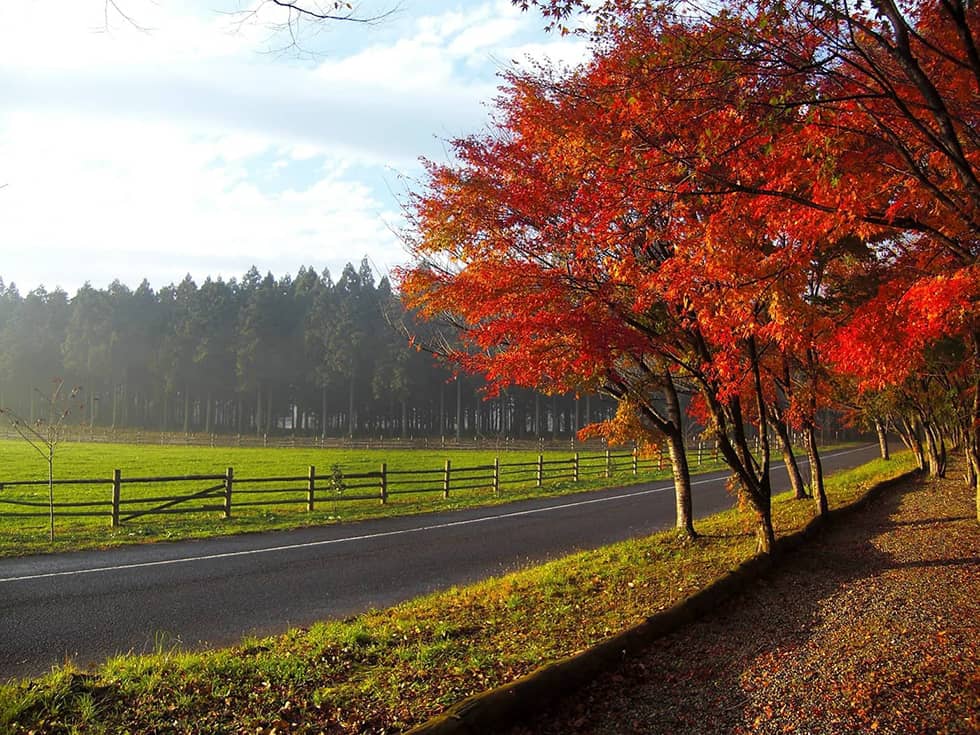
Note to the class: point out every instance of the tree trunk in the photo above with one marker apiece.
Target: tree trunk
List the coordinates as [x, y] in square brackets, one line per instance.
[765, 534]
[477, 417]
[684, 513]
[187, 411]
[258, 410]
[910, 435]
[207, 414]
[125, 403]
[537, 415]
[350, 408]
[976, 482]
[816, 471]
[973, 435]
[942, 454]
[459, 410]
[882, 439]
[971, 477]
[442, 409]
[934, 450]
[404, 419]
[753, 489]
[323, 412]
[554, 417]
[789, 459]
[939, 441]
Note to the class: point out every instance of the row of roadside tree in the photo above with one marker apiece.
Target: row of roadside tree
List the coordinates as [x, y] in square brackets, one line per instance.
[771, 206]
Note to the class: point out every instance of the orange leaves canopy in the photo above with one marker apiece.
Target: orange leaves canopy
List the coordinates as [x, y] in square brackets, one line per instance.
[689, 191]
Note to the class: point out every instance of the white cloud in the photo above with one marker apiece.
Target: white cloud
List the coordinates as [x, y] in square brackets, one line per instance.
[181, 150]
[106, 196]
[75, 36]
[477, 39]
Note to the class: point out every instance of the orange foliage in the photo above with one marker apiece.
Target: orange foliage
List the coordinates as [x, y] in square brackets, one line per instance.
[625, 428]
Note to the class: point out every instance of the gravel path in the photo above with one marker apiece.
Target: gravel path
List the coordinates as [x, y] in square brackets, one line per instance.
[872, 628]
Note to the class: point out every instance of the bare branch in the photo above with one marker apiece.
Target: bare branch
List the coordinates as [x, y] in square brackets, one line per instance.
[298, 18]
[111, 7]
[342, 11]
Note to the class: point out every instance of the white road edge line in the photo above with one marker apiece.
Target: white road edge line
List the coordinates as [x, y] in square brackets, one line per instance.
[364, 537]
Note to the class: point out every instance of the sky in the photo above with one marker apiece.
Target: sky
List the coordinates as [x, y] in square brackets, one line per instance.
[194, 139]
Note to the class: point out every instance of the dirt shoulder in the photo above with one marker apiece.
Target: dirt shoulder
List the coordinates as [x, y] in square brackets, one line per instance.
[872, 627]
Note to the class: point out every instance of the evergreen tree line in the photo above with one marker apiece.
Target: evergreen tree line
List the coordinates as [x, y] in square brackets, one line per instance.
[304, 355]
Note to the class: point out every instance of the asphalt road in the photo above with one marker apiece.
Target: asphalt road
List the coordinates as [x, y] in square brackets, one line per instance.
[91, 605]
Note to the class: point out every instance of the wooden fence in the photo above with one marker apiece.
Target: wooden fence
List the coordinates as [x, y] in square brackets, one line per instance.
[129, 498]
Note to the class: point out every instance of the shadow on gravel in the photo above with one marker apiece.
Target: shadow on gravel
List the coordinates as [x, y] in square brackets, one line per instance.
[927, 521]
[702, 678]
[966, 561]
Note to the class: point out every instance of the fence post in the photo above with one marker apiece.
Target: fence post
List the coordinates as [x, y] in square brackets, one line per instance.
[540, 469]
[445, 481]
[496, 475]
[660, 458]
[636, 461]
[608, 462]
[384, 483]
[229, 480]
[575, 467]
[311, 490]
[116, 486]
[700, 450]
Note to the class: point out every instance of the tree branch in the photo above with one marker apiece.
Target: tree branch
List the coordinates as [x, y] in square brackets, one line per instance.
[318, 14]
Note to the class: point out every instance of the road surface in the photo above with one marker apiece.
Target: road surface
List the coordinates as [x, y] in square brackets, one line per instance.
[210, 592]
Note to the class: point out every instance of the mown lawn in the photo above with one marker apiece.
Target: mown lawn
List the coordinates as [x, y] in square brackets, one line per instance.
[21, 535]
[385, 670]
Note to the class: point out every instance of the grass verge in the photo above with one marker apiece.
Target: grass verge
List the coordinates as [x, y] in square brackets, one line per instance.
[386, 670]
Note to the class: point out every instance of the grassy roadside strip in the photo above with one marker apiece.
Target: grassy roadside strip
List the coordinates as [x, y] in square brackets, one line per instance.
[387, 670]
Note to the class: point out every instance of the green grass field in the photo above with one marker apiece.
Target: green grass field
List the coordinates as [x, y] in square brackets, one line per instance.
[287, 508]
[386, 670]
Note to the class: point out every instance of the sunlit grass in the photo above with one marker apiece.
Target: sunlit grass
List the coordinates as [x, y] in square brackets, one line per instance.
[18, 461]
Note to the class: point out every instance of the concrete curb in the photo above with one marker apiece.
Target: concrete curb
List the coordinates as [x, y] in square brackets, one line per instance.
[500, 708]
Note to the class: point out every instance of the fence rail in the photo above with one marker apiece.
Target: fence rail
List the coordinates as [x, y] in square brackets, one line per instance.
[127, 499]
